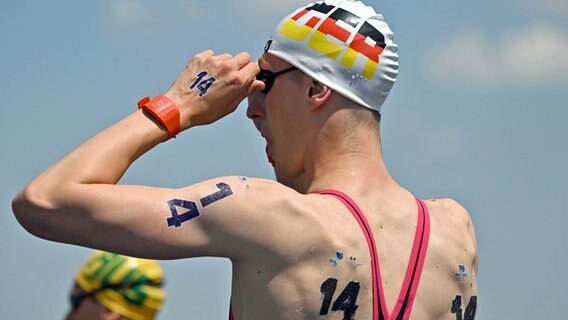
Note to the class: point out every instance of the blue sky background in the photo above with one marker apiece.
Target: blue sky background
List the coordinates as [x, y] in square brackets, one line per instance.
[478, 114]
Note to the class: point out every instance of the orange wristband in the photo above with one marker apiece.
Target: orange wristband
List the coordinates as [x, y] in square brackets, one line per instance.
[163, 110]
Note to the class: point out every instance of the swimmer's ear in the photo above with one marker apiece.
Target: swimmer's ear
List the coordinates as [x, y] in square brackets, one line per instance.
[318, 94]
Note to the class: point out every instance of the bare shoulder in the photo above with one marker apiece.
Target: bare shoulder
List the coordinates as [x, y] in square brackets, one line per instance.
[252, 212]
[450, 210]
[248, 198]
[453, 230]
[451, 214]
[452, 261]
[253, 196]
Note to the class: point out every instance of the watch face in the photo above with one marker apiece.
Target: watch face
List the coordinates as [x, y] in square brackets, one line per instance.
[164, 111]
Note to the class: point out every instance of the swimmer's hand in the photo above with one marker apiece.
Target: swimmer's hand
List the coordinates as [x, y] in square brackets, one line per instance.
[212, 86]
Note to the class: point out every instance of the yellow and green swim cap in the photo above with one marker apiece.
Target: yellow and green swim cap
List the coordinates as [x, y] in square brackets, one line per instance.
[126, 285]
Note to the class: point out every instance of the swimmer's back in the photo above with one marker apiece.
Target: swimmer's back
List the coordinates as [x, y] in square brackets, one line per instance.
[310, 255]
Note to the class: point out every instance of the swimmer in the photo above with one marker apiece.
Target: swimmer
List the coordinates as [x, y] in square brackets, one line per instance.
[334, 237]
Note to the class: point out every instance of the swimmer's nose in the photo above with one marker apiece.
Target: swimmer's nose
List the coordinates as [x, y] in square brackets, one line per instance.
[255, 111]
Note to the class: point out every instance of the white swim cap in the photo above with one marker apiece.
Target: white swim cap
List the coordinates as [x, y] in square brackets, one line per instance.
[344, 44]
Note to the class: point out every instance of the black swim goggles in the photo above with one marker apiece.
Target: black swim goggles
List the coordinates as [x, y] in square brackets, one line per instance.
[268, 77]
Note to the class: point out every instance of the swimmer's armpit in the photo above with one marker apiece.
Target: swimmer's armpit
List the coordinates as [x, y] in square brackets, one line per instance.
[189, 208]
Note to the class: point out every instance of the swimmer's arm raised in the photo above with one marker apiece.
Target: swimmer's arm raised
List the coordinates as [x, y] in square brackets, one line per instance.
[77, 200]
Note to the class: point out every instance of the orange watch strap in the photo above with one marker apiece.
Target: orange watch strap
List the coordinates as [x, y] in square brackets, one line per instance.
[163, 110]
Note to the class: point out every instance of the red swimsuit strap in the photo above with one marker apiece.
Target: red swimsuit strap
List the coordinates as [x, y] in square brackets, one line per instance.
[407, 293]
[357, 214]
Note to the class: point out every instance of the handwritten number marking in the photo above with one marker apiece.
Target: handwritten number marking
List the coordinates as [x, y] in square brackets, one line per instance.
[192, 212]
[177, 219]
[198, 79]
[202, 84]
[469, 310]
[346, 301]
[327, 289]
[224, 191]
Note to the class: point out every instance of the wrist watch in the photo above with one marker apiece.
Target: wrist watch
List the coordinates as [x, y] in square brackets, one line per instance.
[163, 110]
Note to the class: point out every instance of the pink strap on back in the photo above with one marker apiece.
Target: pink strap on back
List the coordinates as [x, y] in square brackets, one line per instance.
[409, 287]
[355, 210]
[415, 265]
[407, 293]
